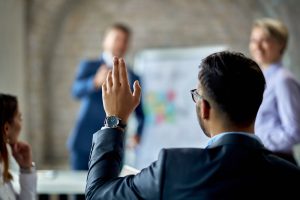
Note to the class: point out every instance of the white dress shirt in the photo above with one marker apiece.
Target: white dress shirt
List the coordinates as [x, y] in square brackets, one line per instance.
[27, 181]
[278, 119]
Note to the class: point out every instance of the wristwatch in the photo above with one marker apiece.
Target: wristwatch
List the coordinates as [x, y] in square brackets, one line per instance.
[29, 170]
[114, 122]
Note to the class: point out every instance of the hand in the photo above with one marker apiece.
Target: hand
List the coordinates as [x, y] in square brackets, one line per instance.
[118, 100]
[22, 153]
[100, 76]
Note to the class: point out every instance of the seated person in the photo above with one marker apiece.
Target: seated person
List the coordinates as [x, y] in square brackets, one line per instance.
[278, 119]
[234, 165]
[10, 125]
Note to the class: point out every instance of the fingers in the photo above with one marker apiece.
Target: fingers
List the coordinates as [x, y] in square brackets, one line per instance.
[19, 146]
[21, 149]
[14, 149]
[115, 72]
[109, 81]
[104, 87]
[123, 73]
[137, 90]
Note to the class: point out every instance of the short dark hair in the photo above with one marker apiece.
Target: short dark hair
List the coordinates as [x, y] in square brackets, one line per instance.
[234, 83]
[121, 27]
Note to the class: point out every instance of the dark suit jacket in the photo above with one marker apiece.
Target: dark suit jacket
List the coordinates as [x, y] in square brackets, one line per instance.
[91, 114]
[234, 167]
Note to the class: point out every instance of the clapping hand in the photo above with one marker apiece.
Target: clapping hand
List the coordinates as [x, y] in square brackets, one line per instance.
[118, 99]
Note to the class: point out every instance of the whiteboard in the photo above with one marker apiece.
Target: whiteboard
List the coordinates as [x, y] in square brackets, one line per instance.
[167, 76]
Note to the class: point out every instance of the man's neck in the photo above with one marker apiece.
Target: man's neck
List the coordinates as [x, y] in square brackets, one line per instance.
[245, 129]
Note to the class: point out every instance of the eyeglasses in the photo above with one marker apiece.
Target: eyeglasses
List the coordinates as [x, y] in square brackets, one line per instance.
[196, 96]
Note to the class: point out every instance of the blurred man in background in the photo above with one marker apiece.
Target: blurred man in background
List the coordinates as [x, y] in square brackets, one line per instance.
[278, 119]
[87, 87]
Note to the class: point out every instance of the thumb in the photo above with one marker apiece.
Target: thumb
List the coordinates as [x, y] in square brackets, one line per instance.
[137, 90]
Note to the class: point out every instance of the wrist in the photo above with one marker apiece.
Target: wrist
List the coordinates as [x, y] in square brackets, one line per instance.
[114, 121]
[119, 116]
[27, 169]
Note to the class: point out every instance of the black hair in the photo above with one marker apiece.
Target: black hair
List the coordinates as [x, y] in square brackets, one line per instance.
[234, 83]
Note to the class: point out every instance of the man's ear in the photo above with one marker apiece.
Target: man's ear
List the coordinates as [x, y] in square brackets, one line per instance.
[205, 109]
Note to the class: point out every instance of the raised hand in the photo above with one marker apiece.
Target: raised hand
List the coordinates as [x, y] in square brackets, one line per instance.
[22, 153]
[118, 99]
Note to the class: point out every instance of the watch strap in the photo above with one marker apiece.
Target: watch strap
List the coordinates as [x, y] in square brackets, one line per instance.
[120, 123]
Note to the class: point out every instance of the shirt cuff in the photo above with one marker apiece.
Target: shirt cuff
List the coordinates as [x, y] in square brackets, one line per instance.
[28, 183]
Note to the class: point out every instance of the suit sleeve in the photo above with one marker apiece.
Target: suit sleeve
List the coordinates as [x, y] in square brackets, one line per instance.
[105, 165]
[84, 81]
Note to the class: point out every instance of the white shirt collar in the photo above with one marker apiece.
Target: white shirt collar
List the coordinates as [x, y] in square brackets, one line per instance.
[108, 58]
[219, 136]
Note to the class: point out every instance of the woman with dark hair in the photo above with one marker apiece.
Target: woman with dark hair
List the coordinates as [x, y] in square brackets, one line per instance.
[10, 127]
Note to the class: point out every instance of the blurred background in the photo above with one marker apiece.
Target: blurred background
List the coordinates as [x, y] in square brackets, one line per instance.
[42, 42]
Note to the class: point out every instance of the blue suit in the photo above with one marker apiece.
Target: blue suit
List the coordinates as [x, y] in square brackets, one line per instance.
[91, 115]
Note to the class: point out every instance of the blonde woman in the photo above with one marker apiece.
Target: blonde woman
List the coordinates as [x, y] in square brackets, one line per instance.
[278, 120]
[10, 127]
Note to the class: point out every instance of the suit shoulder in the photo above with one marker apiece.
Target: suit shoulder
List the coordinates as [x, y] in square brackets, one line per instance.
[182, 150]
[187, 153]
[283, 164]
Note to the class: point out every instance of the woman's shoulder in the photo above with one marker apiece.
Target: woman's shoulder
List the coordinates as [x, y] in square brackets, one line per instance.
[285, 76]
[286, 82]
[6, 188]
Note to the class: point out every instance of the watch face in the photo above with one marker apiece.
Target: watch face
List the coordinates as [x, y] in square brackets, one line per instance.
[112, 121]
